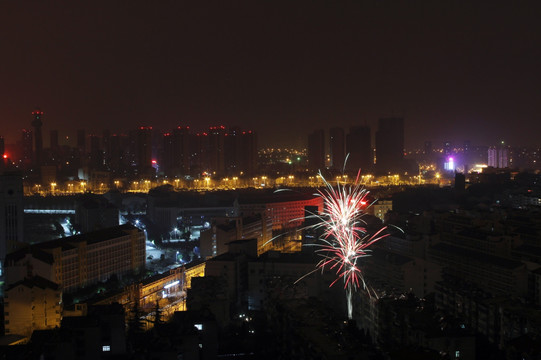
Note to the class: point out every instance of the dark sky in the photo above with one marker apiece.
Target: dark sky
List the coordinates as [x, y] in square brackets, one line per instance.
[455, 70]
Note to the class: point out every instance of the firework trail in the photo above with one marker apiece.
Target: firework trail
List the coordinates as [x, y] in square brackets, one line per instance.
[345, 240]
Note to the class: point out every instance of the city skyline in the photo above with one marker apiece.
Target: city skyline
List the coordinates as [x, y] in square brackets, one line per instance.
[454, 71]
[72, 137]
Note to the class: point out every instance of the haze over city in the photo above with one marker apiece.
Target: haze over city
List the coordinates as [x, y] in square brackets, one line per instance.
[270, 180]
[454, 71]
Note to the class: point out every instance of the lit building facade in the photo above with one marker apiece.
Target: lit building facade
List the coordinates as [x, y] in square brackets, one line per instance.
[380, 208]
[498, 156]
[285, 213]
[214, 241]
[81, 260]
[32, 304]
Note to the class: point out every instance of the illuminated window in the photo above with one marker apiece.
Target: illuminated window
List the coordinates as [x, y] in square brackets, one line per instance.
[106, 348]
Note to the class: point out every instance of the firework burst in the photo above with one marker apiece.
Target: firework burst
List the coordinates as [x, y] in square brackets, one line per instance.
[345, 238]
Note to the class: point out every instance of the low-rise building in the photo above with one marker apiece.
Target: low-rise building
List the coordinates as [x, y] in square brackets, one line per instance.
[81, 260]
[32, 304]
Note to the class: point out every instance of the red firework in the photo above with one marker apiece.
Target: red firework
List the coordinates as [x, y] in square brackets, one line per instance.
[345, 239]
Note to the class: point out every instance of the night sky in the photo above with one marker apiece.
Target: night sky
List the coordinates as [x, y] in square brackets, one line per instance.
[455, 70]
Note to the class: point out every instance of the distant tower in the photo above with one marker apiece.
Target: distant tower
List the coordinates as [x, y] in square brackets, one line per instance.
[96, 154]
[38, 140]
[498, 156]
[428, 148]
[492, 157]
[144, 150]
[390, 145]
[503, 157]
[106, 147]
[337, 147]
[359, 148]
[248, 152]
[447, 147]
[26, 145]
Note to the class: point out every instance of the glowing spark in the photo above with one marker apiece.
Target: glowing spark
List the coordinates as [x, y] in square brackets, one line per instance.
[345, 240]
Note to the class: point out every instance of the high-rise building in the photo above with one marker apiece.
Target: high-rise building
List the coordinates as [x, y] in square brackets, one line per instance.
[428, 148]
[390, 145]
[248, 152]
[337, 147]
[316, 150]
[240, 149]
[176, 152]
[144, 150]
[359, 149]
[119, 151]
[168, 157]
[498, 156]
[232, 150]
[215, 158]
[81, 141]
[96, 155]
[26, 147]
[38, 140]
[11, 214]
[106, 147]
[447, 147]
[197, 151]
